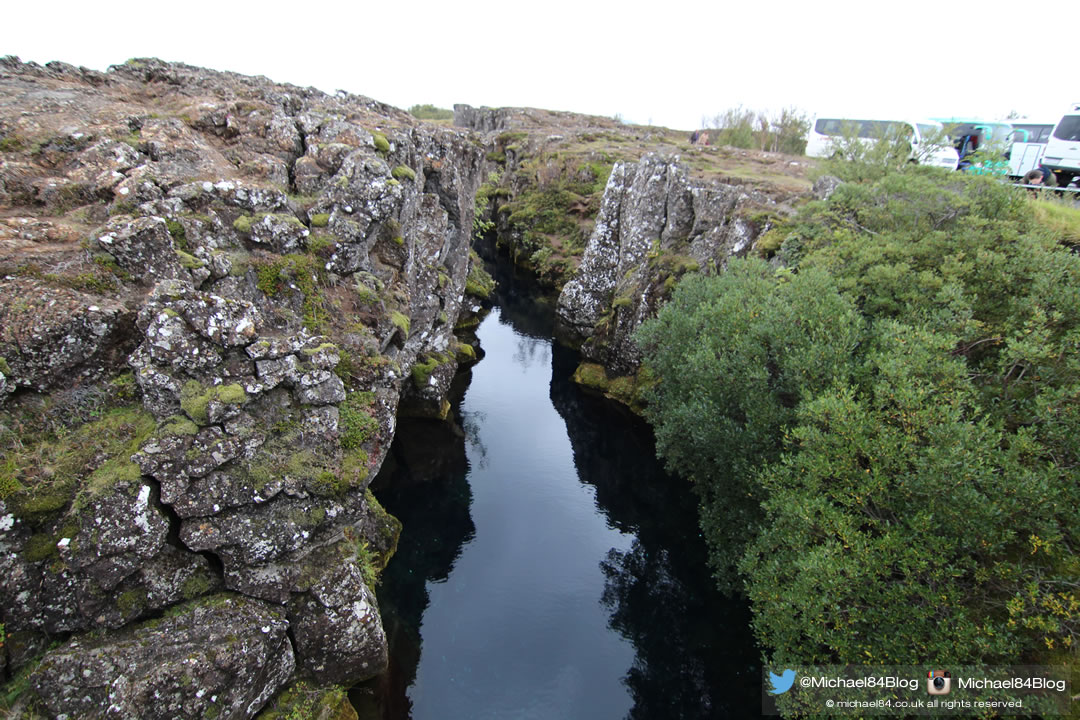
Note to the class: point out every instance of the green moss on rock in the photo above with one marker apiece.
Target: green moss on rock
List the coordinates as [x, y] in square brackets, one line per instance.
[357, 423]
[479, 282]
[188, 260]
[198, 584]
[179, 234]
[382, 145]
[41, 546]
[422, 370]
[195, 399]
[305, 701]
[403, 172]
[400, 321]
[131, 602]
[178, 425]
[243, 224]
[627, 389]
[465, 352]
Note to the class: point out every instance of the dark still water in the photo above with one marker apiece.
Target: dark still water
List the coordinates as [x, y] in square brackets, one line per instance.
[548, 567]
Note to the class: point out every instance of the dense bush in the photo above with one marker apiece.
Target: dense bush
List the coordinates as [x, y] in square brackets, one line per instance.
[736, 353]
[888, 437]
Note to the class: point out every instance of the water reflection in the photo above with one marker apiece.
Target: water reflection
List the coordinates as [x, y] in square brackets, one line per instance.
[695, 653]
[510, 599]
[423, 483]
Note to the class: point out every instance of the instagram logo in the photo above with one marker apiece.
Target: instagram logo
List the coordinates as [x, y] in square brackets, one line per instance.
[938, 682]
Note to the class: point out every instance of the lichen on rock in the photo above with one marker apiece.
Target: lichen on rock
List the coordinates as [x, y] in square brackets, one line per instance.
[269, 362]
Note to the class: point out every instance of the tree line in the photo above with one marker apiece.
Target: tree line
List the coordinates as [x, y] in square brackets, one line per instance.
[741, 127]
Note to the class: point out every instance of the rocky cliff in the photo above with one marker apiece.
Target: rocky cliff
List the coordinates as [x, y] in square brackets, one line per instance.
[611, 216]
[655, 224]
[216, 295]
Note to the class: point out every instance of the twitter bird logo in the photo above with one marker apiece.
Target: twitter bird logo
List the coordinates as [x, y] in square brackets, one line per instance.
[781, 683]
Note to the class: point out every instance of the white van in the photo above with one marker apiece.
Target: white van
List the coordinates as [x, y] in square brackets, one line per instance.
[1029, 142]
[1062, 153]
[826, 132]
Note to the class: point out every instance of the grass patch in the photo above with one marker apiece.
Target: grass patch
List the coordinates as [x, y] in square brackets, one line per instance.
[1062, 219]
[41, 479]
[11, 143]
[302, 701]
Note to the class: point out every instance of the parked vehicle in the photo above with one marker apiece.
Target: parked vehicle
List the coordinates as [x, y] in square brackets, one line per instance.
[1062, 153]
[991, 139]
[1029, 142]
[826, 133]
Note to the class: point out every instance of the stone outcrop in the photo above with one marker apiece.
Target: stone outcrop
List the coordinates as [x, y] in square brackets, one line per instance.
[222, 657]
[280, 271]
[654, 224]
[485, 119]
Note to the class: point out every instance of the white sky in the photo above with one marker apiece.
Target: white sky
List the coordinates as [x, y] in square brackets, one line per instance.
[670, 63]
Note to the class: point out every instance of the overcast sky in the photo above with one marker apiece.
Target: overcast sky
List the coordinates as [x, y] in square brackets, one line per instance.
[669, 63]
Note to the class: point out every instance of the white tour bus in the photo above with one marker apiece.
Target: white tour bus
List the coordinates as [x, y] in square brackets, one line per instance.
[1029, 142]
[825, 133]
[1062, 153]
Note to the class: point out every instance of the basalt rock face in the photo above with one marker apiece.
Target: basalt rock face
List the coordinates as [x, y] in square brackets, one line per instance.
[485, 119]
[654, 225]
[230, 655]
[215, 293]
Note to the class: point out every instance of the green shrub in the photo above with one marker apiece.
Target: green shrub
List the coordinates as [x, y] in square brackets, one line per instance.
[320, 220]
[890, 431]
